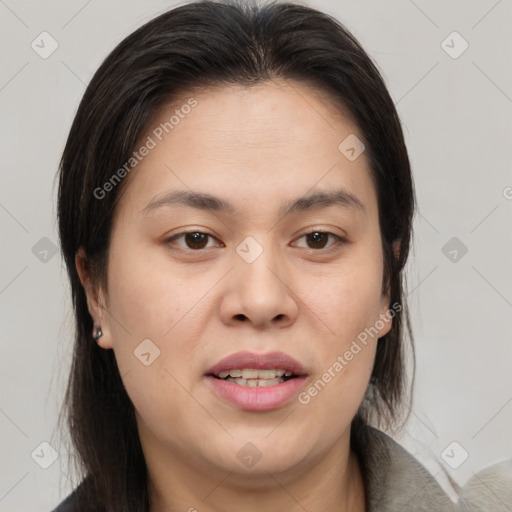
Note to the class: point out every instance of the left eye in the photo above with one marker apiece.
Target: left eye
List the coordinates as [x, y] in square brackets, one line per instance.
[318, 239]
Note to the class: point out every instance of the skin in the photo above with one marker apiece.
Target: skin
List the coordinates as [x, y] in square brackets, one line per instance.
[256, 147]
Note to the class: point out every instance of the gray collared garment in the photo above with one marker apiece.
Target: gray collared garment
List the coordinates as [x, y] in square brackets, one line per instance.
[396, 482]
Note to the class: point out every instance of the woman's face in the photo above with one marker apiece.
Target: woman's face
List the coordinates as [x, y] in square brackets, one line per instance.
[284, 273]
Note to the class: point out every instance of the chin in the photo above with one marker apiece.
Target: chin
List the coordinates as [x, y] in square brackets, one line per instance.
[257, 456]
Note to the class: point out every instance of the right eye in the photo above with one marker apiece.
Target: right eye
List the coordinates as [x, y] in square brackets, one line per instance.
[194, 240]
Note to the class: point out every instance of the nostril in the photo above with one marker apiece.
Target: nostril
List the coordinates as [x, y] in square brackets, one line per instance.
[240, 317]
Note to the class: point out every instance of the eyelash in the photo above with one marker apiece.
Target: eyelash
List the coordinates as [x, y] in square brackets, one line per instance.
[339, 239]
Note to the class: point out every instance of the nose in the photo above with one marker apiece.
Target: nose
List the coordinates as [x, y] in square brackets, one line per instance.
[259, 293]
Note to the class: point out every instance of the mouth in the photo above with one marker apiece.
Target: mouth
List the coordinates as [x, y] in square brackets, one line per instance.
[254, 378]
[257, 382]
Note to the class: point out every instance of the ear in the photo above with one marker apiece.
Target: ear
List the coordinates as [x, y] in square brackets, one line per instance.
[396, 248]
[385, 318]
[96, 303]
[386, 313]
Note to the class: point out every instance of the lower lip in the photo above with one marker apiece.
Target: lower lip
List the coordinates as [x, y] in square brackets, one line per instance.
[260, 398]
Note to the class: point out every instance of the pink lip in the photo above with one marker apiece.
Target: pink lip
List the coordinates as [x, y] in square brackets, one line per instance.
[251, 360]
[259, 398]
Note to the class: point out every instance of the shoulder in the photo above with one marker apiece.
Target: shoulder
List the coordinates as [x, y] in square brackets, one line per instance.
[489, 489]
[394, 479]
[79, 500]
[69, 504]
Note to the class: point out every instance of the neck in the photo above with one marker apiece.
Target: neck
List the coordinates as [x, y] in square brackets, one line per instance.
[333, 483]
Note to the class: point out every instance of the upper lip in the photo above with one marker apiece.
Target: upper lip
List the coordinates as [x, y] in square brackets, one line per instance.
[254, 361]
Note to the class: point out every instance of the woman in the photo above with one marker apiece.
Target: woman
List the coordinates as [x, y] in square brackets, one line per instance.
[235, 209]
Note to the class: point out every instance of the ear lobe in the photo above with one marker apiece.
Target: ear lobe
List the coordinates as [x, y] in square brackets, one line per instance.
[384, 317]
[94, 304]
[386, 321]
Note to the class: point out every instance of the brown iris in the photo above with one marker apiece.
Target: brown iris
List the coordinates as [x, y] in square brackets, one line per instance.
[196, 240]
[318, 240]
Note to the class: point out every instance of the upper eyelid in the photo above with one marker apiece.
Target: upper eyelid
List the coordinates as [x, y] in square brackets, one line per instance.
[320, 231]
[183, 233]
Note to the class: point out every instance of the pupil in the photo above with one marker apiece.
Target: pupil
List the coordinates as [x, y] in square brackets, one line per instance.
[317, 238]
[195, 240]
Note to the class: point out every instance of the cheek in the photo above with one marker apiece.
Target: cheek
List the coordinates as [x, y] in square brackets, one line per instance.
[149, 296]
[152, 301]
[337, 390]
[350, 300]
[349, 306]
[164, 408]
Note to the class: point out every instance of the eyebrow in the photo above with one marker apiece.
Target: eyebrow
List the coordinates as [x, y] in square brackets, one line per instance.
[204, 201]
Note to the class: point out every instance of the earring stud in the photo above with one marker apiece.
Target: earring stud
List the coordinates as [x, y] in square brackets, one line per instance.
[98, 333]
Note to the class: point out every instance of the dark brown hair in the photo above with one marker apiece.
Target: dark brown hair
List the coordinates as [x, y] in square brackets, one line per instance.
[203, 44]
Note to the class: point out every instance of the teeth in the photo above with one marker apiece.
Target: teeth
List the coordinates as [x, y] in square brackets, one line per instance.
[254, 383]
[270, 382]
[248, 373]
[242, 382]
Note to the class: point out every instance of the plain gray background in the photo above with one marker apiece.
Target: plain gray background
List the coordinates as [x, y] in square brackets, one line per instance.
[457, 123]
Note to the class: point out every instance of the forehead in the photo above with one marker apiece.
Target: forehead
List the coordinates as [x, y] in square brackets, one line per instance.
[274, 140]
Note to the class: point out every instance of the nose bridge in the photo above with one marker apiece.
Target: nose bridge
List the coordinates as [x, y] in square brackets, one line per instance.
[260, 285]
[256, 264]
